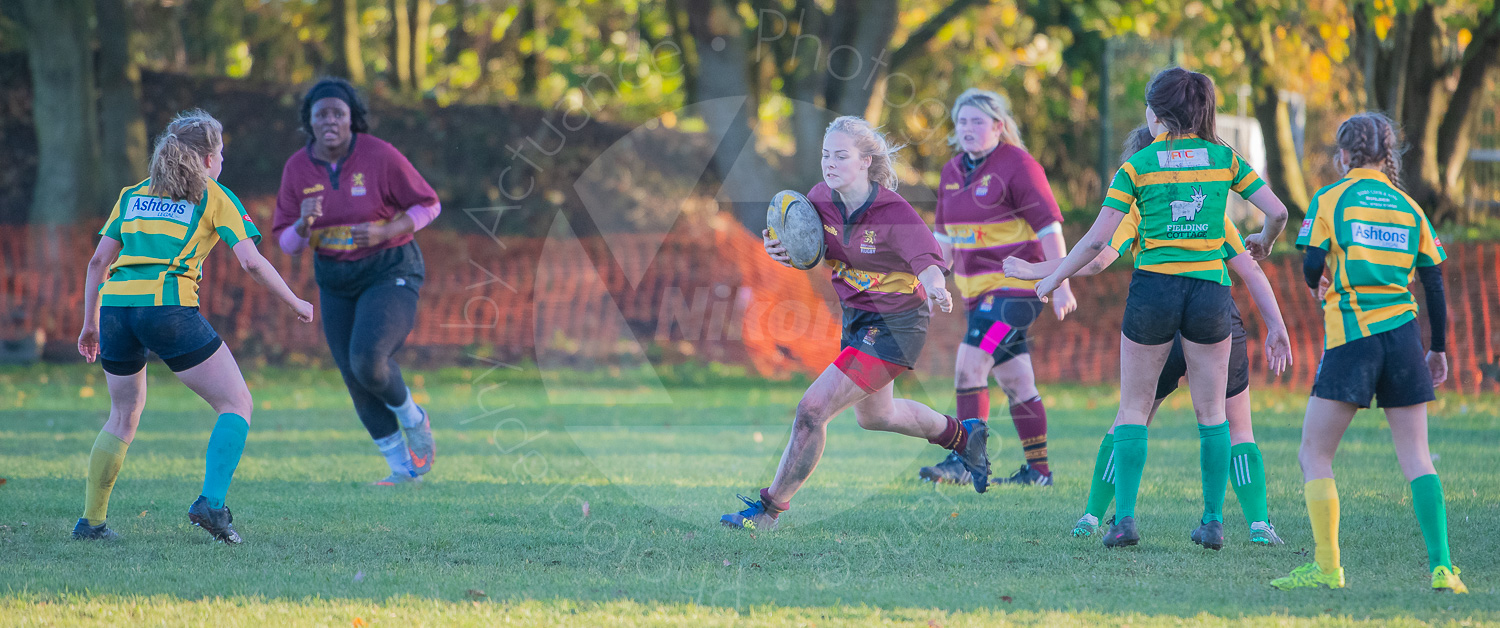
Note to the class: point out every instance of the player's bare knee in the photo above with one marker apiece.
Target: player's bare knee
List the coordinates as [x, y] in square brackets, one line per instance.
[811, 413]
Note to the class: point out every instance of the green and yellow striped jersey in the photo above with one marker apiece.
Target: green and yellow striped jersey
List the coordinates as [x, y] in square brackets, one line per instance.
[1375, 236]
[165, 242]
[1181, 187]
[1127, 235]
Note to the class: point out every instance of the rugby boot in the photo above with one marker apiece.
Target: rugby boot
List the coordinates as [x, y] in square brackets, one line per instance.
[753, 517]
[950, 470]
[217, 521]
[85, 532]
[1210, 535]
[1122, 533]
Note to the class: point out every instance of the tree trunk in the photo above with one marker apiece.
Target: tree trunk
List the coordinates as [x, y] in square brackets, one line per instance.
[1453, 133]
[1421, 107]
[421, 20]
[526, 21]
[1284, 170]
[400, 45]
[859, 60]
[459, 37]
[60, 52]
[726, 108]
[348, 61]
[122, 129]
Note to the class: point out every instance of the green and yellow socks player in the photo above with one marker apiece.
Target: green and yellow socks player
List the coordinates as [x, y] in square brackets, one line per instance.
[1372, 344]
[1246, 473]
[226, 444]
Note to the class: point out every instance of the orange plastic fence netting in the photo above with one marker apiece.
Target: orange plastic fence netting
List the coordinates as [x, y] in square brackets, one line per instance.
[698, 292]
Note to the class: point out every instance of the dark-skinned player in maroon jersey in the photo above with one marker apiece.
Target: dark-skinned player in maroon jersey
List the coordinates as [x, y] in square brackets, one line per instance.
[886, 269]
[994, 202]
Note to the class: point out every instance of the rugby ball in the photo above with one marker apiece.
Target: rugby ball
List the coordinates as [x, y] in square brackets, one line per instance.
[792, 219]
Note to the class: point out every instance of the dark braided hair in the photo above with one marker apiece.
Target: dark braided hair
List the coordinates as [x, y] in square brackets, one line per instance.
[334, 87]
[1370, 140]
[1139, 138]
[1185, 102]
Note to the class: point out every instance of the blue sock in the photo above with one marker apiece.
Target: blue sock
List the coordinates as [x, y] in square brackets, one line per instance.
[225, 445]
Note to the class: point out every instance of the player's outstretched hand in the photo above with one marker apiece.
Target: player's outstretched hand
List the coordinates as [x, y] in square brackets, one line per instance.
[1046, 286]
[1278, 350]
[88, 343]
[303, 309]
[1017, 268]
[1065, 302]
[1437, 364]
[774, 249]
[1259, 245]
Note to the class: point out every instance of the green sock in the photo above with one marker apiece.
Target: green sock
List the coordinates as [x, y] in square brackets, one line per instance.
[1249, 480]
[1213, 460]
[1102, 490]
[1130, 463]
[1432, 516]
[225, 445]
[105, 461]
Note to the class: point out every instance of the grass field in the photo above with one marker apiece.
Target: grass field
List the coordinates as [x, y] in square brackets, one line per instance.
[581, 506]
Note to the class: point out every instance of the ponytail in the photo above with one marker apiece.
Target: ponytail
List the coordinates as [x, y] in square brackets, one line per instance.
[872, 144]
[1371, 141]
[177, 170]
[1186, 103]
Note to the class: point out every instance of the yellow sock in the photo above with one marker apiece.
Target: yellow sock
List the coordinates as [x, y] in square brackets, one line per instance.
[104, 466]
[1323, 510]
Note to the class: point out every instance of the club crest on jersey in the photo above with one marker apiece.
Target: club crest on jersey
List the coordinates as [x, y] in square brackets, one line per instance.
[1182, 158]
[870, 335]
[159, 208]
[867, 243]
[988, 304]
[984, 186]
[358, 188]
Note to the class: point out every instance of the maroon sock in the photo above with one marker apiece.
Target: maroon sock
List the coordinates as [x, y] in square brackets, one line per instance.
[1030, 418]
[974, 403]
[773, 508]
[953, 436]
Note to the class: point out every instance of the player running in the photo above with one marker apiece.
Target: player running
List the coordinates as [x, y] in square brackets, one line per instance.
[1370, 236]
[1180, 184]
[995, 203]
[886, 268]
[356, 201]
[1246, 470]
[149, 262]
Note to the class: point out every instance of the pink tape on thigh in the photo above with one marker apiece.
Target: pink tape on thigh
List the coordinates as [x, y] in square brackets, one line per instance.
[994, 337]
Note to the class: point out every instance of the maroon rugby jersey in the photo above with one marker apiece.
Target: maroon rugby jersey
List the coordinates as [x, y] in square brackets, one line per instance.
[993, 213]
[878, 252]
[373, 183]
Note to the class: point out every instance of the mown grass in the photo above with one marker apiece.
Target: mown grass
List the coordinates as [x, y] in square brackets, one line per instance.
[499, 532]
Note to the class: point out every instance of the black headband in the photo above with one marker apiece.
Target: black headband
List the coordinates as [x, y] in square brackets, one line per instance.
[331, 90]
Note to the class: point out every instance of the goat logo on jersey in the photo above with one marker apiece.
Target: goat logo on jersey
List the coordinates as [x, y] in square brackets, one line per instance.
[1188, 210]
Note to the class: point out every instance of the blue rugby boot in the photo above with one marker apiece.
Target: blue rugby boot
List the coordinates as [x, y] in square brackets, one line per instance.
[974, 455]
[756, 516]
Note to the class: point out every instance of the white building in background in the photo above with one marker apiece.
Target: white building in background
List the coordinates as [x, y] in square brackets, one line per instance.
[1243, 134]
